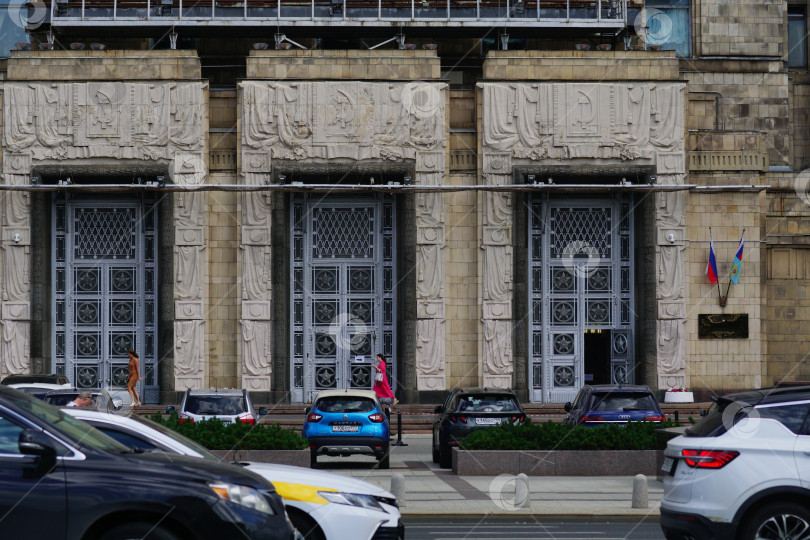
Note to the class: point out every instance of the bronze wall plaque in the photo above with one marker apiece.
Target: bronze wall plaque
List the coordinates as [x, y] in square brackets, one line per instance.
[723, 326]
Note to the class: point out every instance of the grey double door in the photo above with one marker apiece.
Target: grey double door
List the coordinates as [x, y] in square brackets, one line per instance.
[342, 301]
[104, 291]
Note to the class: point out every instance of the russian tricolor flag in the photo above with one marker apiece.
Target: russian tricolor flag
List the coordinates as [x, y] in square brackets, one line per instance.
[711, 268]
[736, 266]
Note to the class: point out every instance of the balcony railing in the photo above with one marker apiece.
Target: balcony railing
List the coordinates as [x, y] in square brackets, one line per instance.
[450, 13]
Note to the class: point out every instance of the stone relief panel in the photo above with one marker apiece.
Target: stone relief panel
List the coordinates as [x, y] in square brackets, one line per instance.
[256, 354]
[147, 121]
[584, 120]
[16, 347]
[380, 122]
[529, 124]
[346, 119]
[188, 354]
[497, 360]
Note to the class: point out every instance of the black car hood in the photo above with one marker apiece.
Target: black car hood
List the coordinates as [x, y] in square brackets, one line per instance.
[156, 463]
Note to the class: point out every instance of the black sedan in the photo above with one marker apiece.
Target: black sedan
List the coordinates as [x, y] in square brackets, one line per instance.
[63, 479]
[468, 409]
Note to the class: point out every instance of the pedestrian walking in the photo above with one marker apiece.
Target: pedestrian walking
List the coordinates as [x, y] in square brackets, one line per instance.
[133, 377]
[381, 387]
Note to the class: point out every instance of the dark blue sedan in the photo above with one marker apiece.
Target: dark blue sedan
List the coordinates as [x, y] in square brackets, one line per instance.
[613, 404]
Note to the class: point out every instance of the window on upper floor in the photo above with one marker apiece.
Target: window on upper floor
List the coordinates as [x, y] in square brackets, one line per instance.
[669, 25]
[12, 23]
[797, 36]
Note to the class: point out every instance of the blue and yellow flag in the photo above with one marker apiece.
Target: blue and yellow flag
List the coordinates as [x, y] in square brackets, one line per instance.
[736, 266]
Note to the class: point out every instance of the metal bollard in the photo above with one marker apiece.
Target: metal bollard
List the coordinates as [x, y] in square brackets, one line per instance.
[640, 491]
[399, 431]
[522, 492]
[398, 488]
[677, 418]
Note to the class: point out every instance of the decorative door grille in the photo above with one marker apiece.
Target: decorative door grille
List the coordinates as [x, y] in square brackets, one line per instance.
[581, 279]
[105, 284]
[342, 301]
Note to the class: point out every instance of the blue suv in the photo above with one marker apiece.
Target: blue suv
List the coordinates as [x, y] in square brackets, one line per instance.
[346, 422]
[613, 404]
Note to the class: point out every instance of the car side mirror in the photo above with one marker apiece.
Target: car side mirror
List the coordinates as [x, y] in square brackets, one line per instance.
[170, 409]
[567, 407]
[306, 411]
[34, 443]
[439, 409]
[263, 411]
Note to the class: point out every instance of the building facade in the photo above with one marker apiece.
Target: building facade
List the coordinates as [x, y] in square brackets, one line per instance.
[527, 207]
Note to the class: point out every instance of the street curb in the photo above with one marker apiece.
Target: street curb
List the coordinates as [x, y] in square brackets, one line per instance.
[631, 512]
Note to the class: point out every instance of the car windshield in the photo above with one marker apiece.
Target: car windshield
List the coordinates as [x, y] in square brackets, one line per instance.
[182, 439]
[81, 433]
[624, 401]
[345, 404]
[215, 405]
[487, 403]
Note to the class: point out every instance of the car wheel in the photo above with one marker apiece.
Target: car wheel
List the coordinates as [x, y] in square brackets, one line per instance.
[313, 458]
[132, 531]
[778, 520]
[305, 524]
[445, 457]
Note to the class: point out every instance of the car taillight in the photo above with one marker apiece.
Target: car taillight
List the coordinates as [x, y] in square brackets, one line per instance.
[458, 418]
[708, 459]
[520, 418]
[248, 421]
[655, 419]
[376, 417]
[592, 419]
[186, 420]
[314, 417]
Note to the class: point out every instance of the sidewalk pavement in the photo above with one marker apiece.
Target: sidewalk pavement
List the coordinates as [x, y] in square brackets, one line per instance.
[431, 491]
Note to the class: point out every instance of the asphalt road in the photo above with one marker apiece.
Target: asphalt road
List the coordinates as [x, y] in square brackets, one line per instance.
[483, 528]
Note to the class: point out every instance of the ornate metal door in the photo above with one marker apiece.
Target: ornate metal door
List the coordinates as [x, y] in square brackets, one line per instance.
[104, 291]
[342, 303]
[581, 276]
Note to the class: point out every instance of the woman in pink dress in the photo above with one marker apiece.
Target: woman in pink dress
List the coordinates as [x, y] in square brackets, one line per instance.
[381, 387]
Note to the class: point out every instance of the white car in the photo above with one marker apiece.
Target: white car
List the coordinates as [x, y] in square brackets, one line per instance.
[227, 405]
[321, 505]
[743, 471]
[37, 389]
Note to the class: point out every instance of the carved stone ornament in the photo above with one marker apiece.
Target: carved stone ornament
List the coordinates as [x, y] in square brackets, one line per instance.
[19, 164]
[188, 310]
[497, 310]
[347, 119]
[188, 169]
[188, 350]
[16, 346]
[256, 347]
[670, 272]
[16, 283]
[430, 349]
[430, 162]
[430, 309]
[16, 311]
[258, 311]
[188, 283]
[497, 347]
[623, 121]
[671, 346]
[145, 121]
[671, 208]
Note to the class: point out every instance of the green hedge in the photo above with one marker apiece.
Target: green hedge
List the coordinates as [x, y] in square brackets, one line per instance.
[215, 435]
[554, 436]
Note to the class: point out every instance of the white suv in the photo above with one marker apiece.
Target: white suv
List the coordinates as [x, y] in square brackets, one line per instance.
[743, 471]
[226, 405]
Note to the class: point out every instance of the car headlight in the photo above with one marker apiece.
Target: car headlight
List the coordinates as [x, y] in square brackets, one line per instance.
[352, 499]
[242, 495]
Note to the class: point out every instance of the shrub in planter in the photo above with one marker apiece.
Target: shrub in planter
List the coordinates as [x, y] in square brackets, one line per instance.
[215, 435]
[554, 436]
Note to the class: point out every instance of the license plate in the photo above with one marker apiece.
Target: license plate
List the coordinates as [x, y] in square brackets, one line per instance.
[344, 429]
[667, 466]
[487, 421]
